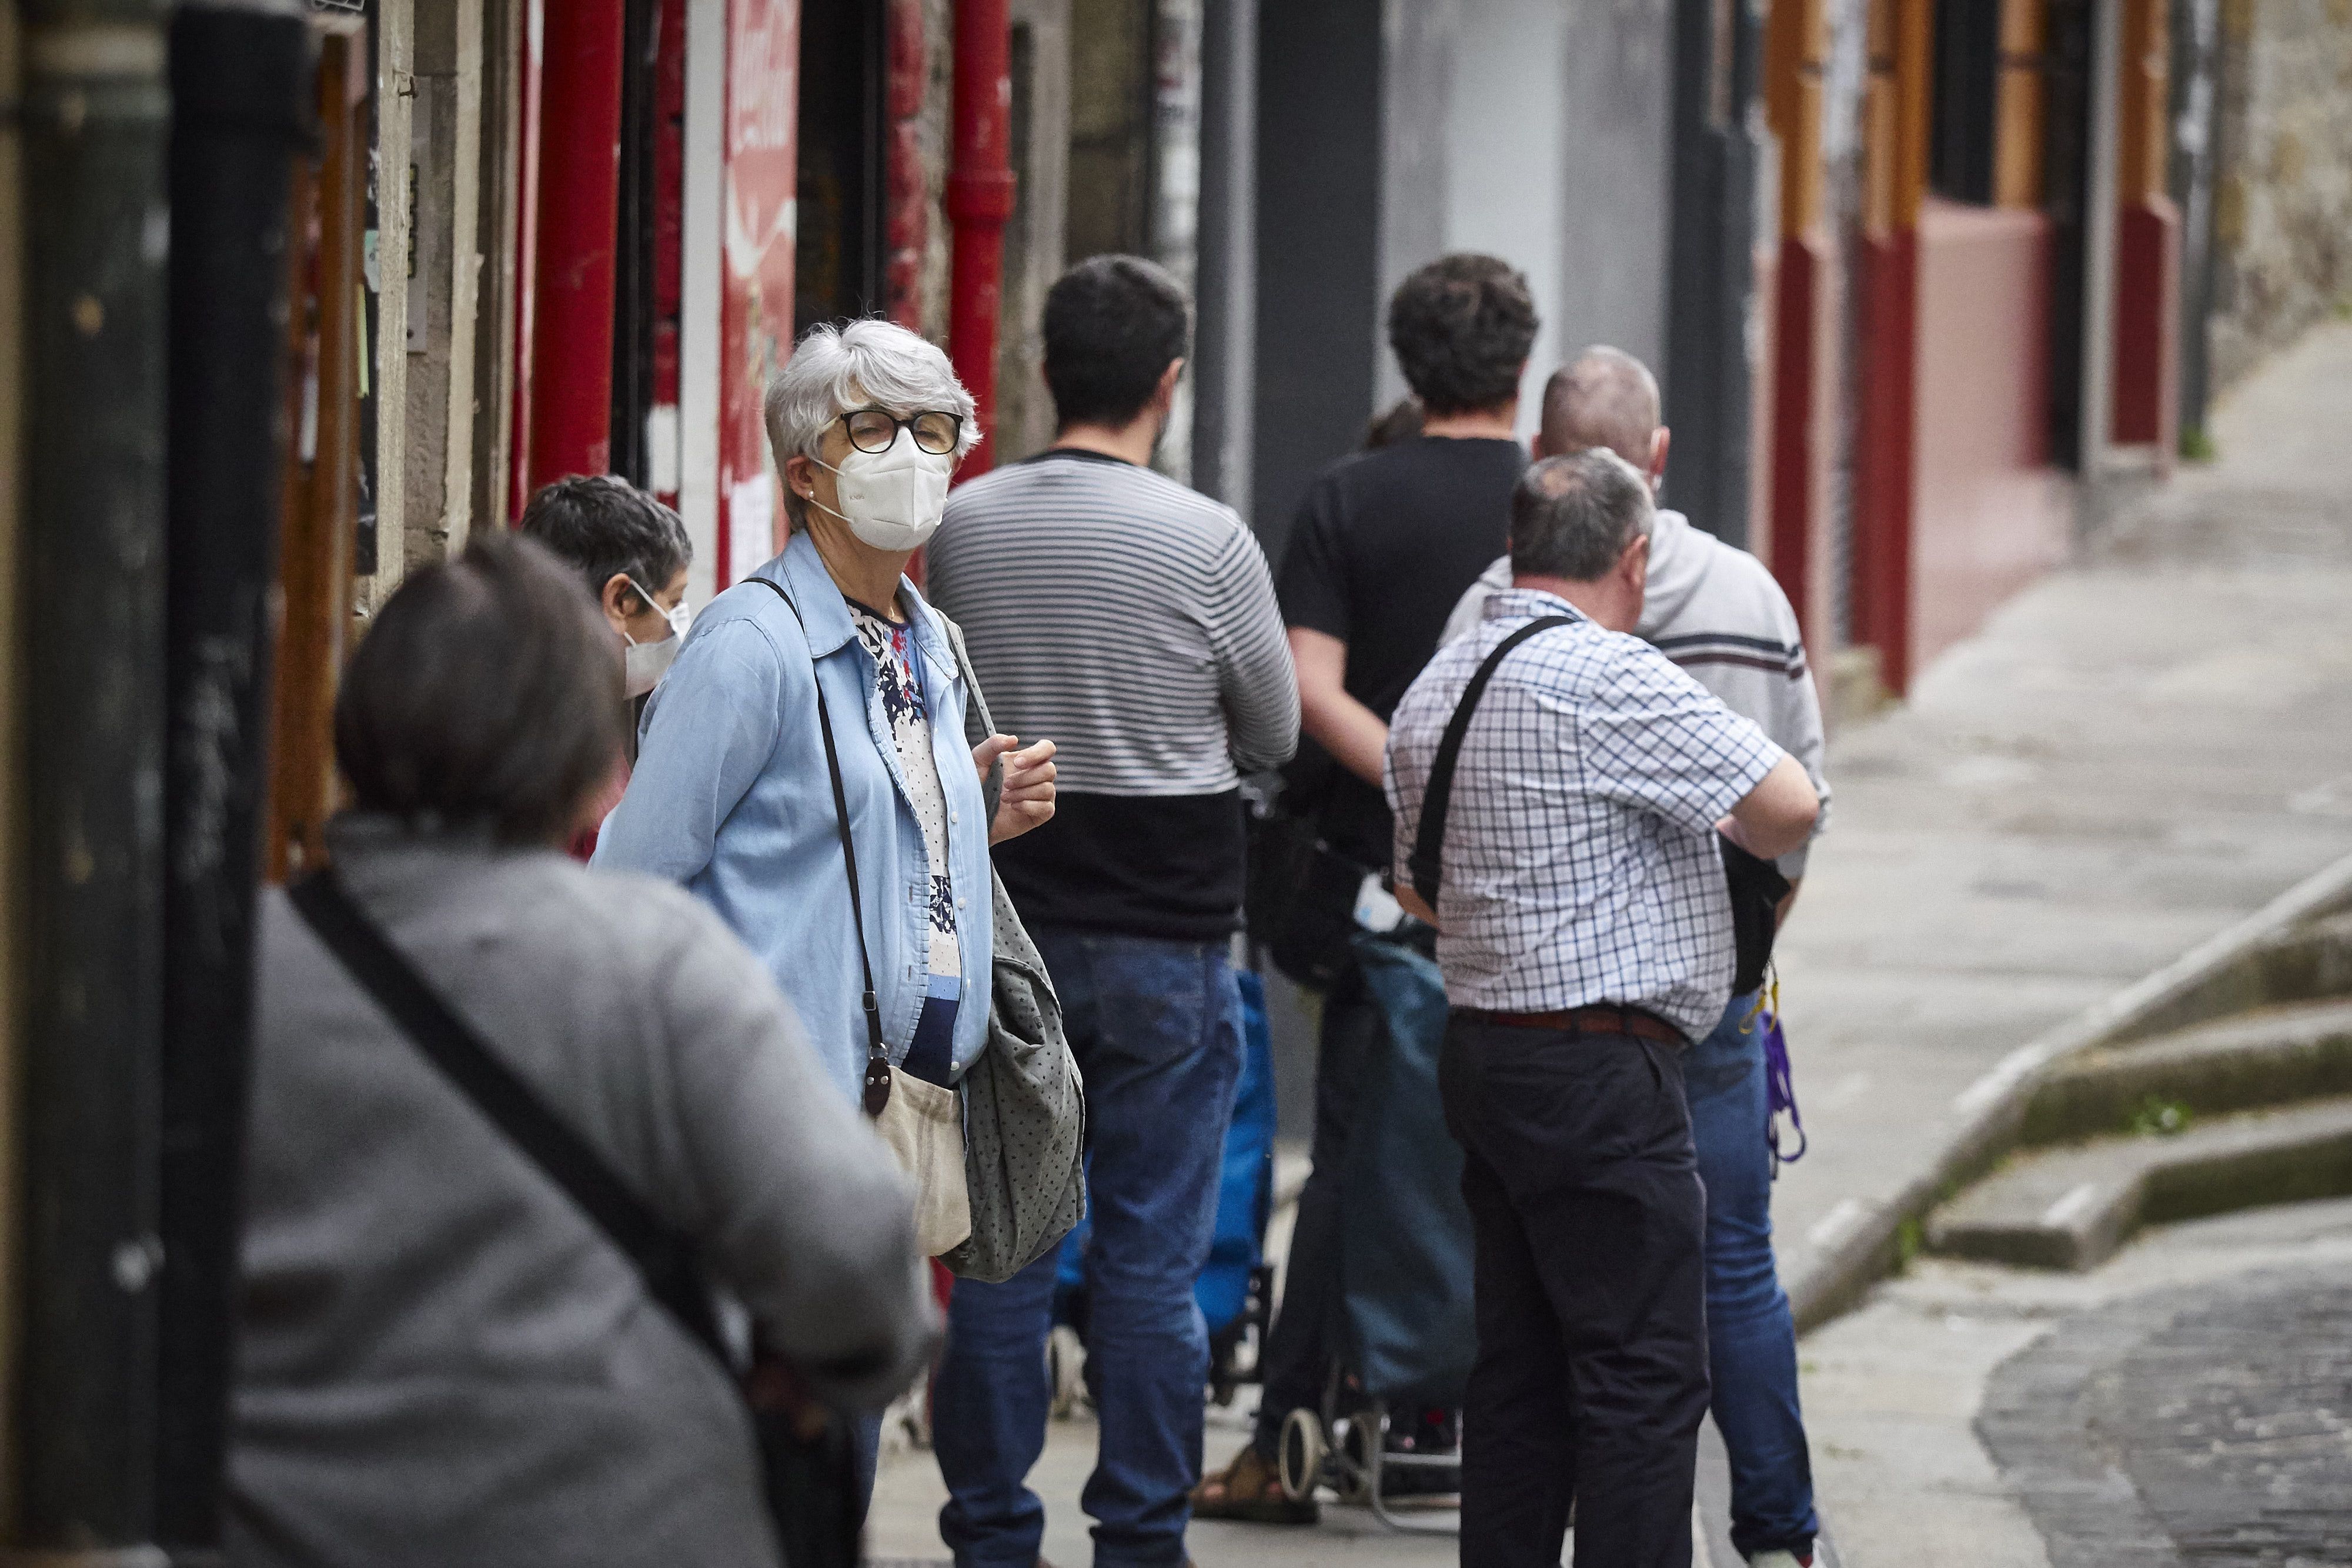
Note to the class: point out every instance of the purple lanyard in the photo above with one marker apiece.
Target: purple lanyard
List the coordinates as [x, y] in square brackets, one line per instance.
[1780, 1085]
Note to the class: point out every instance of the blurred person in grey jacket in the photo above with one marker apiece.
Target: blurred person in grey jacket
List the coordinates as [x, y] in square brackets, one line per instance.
[1717, 611]
[443, 1360]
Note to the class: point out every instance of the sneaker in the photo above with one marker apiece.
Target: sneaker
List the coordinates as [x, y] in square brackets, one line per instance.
[1781, 1560]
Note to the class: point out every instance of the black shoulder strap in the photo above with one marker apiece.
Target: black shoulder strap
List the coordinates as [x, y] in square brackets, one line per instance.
[1429, 840]
[878, 1055]
[664, 1257]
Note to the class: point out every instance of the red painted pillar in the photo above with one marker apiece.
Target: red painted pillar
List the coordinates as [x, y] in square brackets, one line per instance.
[579, 209]
[1885, 451]
[980, 200]
[2147, 328]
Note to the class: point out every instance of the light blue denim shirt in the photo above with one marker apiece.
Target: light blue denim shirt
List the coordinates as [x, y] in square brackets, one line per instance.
[730, 797]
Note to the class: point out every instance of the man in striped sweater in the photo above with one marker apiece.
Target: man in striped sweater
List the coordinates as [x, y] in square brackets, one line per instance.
[1134, 620]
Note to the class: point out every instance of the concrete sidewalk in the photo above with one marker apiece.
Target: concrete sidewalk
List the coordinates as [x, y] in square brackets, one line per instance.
[2137, 752]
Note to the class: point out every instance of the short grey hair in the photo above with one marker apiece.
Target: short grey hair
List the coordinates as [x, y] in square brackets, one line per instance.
[1603, 397]
[1572, 516]
[869, 363]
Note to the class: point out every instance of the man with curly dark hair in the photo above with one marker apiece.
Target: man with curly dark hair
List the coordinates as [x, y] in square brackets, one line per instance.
[1461, 328]
[1385, 542]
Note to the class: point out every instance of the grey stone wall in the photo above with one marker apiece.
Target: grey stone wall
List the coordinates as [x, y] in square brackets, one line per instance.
[2282, 212]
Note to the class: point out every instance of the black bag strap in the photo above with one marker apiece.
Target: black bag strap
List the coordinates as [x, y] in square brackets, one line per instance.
[878, 1055]
[1429, 842]
[664, 1257]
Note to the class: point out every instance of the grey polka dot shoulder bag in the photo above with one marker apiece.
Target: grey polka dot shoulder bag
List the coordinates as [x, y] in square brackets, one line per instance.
[1024, 1115]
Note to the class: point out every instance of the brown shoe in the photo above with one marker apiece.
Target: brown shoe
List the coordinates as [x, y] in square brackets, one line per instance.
[1249, 1491]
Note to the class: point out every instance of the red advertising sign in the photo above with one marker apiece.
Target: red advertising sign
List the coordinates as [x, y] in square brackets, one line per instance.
[755, 318]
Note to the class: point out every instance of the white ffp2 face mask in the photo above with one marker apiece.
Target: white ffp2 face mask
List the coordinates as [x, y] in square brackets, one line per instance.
[893, 499]
[642, 664]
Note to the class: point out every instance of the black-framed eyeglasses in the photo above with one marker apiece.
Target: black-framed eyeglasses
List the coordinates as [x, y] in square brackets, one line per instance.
[876, 429]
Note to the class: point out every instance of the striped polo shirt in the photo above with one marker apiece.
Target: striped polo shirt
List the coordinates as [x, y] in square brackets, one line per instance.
[1132, 621]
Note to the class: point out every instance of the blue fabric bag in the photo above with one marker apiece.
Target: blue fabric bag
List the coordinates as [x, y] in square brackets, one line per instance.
[1245, 1197]
[1405, 1244]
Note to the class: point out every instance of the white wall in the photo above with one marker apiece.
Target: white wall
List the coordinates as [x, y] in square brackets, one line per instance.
[1552, 152]
[699, 291]
[1506, 146]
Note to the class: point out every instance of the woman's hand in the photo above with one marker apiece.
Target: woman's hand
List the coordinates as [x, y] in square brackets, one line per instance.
[1027, 800]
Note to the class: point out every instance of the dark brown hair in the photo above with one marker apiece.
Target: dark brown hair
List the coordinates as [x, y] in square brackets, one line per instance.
[1401, 421]
[1113, 325]
[487, 693]
[1462, 327]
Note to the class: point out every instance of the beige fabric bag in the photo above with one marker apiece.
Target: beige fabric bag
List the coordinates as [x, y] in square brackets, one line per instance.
[923, 1124]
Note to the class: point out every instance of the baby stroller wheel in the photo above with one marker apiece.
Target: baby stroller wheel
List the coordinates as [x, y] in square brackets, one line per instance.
[1299, 1460]
[1359, 1454]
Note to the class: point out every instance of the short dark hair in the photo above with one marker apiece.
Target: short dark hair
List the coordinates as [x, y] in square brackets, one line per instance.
[1572, 516]
[486, 695]
[602, 525]
[1113, 326]
[1462, 327]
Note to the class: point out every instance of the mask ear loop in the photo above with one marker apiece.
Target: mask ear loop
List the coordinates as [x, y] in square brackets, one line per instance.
[669, 617]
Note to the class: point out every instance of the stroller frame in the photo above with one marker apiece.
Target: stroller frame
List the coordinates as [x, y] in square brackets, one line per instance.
[1345, 1447]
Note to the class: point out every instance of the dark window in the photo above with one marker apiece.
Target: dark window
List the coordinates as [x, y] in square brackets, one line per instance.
[1963, 112]
[837, 258]
[2065, 195]
[1111, 85]
[633, 307]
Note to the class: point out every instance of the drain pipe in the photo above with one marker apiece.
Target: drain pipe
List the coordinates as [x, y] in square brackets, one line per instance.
[979, 202]
[241, 114]
[83, 1421]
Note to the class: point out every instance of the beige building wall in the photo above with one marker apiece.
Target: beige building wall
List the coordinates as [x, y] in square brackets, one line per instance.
[2283, 209]
[444, 345]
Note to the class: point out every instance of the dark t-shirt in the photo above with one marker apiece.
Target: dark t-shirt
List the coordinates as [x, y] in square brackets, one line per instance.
[1385, 543]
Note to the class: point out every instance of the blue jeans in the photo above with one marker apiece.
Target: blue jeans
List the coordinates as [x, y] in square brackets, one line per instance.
[1751, 1339]
[1156, 1030]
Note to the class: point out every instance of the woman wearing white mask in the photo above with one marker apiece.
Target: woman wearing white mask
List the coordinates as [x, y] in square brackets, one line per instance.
[633, 553]
[734, 794]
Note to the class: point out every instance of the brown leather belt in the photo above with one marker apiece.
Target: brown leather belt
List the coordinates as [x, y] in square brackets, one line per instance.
[1602, 1019]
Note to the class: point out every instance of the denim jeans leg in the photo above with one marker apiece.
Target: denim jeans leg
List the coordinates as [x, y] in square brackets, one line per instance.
[1751, 1339]
[989, 1405]
[866, 1450]
[1162, 1052]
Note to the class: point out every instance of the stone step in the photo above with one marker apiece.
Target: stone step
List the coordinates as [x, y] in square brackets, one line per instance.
[2271, 1057]
[2309, 961]
[2072, 1208]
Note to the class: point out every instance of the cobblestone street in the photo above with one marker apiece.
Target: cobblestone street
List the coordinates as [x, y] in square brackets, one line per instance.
[2183, 1406]
[2227, 1407]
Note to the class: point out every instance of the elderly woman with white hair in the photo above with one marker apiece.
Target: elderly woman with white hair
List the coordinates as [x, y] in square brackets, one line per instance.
[737, 782]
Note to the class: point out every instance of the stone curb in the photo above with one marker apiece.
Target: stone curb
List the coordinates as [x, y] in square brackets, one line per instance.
[1991, 1111]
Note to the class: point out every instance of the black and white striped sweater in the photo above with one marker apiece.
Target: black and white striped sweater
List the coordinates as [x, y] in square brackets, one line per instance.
[1132, 621]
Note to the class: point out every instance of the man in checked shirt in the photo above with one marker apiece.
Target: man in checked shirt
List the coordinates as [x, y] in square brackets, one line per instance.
[1586, 939]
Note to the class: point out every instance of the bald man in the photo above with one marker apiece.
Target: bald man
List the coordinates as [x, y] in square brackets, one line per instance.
[1717, 611]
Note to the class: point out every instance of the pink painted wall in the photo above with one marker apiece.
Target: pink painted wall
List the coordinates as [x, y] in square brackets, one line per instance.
[1988, 513]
